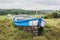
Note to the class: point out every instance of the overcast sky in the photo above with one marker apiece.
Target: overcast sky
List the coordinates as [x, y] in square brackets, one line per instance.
[30, 4]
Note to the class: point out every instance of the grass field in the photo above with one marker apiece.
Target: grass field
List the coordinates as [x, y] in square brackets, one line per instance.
[9, 32]
[51, 30]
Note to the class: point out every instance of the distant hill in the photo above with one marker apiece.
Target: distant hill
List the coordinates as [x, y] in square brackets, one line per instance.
[21, 11]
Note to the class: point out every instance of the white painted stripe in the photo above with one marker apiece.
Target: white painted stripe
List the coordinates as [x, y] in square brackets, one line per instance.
[43, 23]
[33, 23]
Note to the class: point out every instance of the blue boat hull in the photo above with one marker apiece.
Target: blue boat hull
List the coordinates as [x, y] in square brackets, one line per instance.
[27, 23]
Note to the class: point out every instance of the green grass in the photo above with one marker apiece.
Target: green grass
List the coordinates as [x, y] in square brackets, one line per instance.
[4, 17]
[51, 30]
[9, 32]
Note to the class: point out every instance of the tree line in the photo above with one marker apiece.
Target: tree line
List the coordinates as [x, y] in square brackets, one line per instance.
[52, 15]
[19, 11]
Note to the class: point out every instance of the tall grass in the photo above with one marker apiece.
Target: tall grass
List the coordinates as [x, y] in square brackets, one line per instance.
[9, 32]
[51, 30]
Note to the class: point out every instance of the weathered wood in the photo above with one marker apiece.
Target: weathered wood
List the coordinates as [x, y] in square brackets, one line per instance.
[32, 30]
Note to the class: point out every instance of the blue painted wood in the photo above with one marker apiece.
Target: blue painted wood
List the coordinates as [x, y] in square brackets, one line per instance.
[26, 22]
[39, 22]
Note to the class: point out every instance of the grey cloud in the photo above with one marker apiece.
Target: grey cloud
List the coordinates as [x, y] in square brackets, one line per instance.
[47, 2]
[30, 4]
[33, 2]
[6, 1]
